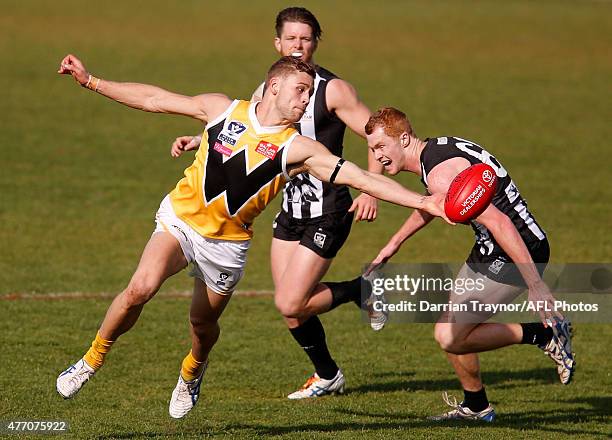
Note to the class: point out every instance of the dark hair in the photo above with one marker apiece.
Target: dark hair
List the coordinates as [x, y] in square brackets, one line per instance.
[393, 122]
[298, 15]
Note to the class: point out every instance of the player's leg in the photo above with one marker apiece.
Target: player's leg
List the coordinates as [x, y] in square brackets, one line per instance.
[462, 339]
[303, 269]
[206, 308]
[296, 269]
[161, 258]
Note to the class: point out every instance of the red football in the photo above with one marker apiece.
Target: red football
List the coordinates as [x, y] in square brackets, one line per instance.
[470, 193]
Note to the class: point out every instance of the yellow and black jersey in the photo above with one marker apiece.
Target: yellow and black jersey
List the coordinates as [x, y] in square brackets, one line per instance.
[238, 170]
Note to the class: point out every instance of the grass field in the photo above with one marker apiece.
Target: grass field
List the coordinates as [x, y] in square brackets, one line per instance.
[395, 378]
[82, 178]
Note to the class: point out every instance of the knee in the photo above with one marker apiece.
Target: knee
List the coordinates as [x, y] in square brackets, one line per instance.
[446, 339]
[140, 290]
[288, 308]
[203, 327]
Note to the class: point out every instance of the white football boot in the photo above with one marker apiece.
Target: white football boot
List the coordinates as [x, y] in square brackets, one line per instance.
[317, 387]
[70, 381]
[378, 318]
[185, 395]
[559, 349]
[460, 412]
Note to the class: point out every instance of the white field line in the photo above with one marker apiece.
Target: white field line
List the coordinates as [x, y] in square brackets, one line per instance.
[17, 296]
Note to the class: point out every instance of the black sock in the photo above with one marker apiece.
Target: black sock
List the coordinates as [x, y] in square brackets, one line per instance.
[345, 291]
[535, 333]
[311, 337]
[475, 400]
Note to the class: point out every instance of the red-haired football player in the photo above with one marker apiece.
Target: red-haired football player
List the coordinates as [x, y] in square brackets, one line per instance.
[510, 253]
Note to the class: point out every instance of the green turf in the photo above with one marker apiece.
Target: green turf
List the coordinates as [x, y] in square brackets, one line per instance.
[394, 378]
[82, 178]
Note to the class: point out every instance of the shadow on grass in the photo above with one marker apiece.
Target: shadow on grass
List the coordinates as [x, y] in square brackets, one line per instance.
[543, 421]
[595, 410]
[503, 379]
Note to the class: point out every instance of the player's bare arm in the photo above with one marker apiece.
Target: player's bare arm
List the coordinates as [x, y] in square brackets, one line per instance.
[414, 223]
[308, 155]
[342, 99]
[503, 231]
[147, 97]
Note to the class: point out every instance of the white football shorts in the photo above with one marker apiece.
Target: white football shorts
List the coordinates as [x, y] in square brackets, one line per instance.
[219, 263]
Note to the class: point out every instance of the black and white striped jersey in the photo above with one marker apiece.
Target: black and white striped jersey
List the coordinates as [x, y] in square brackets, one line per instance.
[305, 196]
[507, 197]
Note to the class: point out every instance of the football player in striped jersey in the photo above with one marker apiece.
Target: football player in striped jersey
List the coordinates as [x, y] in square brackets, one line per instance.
[510, 254]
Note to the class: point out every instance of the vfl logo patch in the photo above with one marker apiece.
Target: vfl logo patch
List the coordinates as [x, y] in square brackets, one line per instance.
[496, 266]
[236, 128]
[267, 149]
[220, 148]
[232, 133]
[319, 239]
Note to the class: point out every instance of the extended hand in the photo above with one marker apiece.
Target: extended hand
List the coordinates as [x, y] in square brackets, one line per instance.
[434, 205]
[365, 207]
[184, 143]
[71, 65]
[540, 297]
[383, 256]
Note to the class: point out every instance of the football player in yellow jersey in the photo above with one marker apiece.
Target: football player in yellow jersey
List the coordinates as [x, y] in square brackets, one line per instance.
[199, 222]
[315, 218]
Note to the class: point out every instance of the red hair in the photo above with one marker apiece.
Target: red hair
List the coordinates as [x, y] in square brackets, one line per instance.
[393, 122]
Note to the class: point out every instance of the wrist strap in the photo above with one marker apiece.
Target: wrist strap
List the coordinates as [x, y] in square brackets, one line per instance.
[92, 83]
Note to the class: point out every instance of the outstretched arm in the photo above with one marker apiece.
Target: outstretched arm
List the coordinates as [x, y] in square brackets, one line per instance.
[147, 97]
[308, 155]
[415, 222]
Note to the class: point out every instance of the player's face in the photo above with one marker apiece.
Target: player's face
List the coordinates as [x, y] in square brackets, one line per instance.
[387, 150]
[293, 95]
[296, 38]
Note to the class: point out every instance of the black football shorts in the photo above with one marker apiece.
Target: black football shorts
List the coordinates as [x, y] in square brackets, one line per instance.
[323, 235]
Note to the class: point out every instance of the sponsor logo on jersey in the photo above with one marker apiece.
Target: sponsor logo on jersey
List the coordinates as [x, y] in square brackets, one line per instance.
[226, 139]
[319, 239]
[267, 149]
[496, 266]
[220, 148]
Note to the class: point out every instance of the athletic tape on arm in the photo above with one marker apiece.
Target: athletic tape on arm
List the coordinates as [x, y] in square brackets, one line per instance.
[335, 173]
